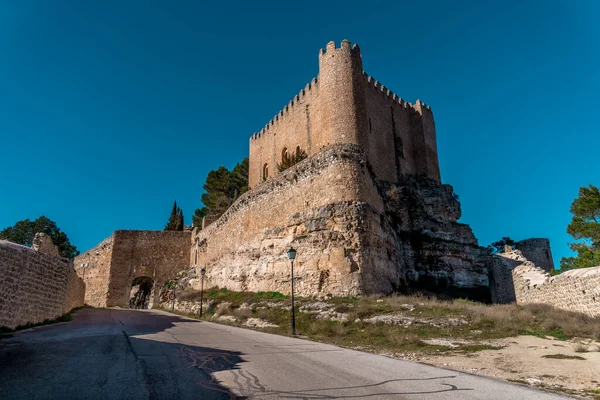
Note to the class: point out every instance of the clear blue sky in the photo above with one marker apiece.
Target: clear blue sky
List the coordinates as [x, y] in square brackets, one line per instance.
[110, 110]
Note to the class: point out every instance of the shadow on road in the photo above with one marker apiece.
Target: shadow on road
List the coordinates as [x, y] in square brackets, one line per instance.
[112, 354]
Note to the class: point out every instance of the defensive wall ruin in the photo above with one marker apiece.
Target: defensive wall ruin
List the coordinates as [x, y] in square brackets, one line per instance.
[36, 285]
[109, 268]
[517, 279]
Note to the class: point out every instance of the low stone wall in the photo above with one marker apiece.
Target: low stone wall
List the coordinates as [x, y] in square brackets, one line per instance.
[576, 290]
[35, 286]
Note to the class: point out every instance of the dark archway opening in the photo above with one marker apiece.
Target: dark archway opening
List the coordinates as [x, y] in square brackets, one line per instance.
[140, 296]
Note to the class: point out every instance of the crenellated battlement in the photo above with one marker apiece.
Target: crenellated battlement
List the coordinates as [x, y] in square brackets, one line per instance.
[343, 104]
[295, 101]
[346, 45]
[384, 91]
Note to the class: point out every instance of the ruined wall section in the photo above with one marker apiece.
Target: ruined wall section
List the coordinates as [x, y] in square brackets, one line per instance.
[159, 255]
[93, 267]
[316, 206]
[576, 290]
[35, 286]
[537, 250]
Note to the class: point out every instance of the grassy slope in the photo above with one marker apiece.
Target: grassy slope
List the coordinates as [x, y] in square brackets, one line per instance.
[467, 322]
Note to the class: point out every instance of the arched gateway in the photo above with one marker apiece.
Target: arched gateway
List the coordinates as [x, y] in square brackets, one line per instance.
[113, 268]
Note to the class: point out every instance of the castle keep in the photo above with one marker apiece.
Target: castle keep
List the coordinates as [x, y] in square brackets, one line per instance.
[345, 105]
[366, 210]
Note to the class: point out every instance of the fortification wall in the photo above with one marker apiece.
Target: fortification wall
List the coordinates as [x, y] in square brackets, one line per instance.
[407, 129]
[317, 207]
[537, 250]
[159, 255]
[576, 290]
[93, 267]
[296, 125]
[353, 234]
[344, 105]
[109, 268]
[35, 286]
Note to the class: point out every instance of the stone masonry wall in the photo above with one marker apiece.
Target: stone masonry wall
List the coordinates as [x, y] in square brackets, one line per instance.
[353, 235]
[93, 267]
[35, 286]
[159, 255]
[345, 105]
[43, 244]
[537, 250]
[312, 206]
[109, 268]
[576, 290]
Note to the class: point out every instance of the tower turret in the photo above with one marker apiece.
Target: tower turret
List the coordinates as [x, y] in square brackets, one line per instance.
[343, 103]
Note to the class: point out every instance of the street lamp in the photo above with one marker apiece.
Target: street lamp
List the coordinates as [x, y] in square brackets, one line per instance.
[202, 273]
[291, 253]
[173, 295]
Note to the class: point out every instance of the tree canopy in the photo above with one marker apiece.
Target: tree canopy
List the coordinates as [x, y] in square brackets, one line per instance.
[175, 222]
[584, 227]
[498, 246]
[24, 231]
[222, 188]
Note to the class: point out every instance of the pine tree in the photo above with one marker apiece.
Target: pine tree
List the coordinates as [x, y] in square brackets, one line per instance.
[222, 188]
[585, 227]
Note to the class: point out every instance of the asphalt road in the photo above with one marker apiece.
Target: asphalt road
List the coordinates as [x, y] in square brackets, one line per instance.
[127, 354]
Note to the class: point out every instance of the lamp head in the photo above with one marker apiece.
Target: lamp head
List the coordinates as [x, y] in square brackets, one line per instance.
[203, 272]
[291, 253]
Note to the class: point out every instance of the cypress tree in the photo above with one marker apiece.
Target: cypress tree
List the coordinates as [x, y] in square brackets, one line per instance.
[175, 222]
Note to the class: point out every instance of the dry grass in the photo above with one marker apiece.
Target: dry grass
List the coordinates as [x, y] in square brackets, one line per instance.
[477, 321]
[581, 348]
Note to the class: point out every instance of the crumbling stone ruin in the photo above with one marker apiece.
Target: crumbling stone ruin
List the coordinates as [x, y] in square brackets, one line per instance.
[36, 284]
[517, 279]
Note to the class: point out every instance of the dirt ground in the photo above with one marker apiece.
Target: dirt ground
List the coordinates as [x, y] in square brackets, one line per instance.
[522, 360]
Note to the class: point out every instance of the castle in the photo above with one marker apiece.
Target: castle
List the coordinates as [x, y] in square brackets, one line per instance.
[366, 212]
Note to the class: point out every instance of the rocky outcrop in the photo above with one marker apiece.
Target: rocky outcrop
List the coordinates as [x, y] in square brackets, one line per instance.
[353, 234]
[427, 248]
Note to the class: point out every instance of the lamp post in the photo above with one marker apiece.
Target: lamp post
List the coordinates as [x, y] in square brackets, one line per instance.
[291, 253]
[202, 273]
[173, 295]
